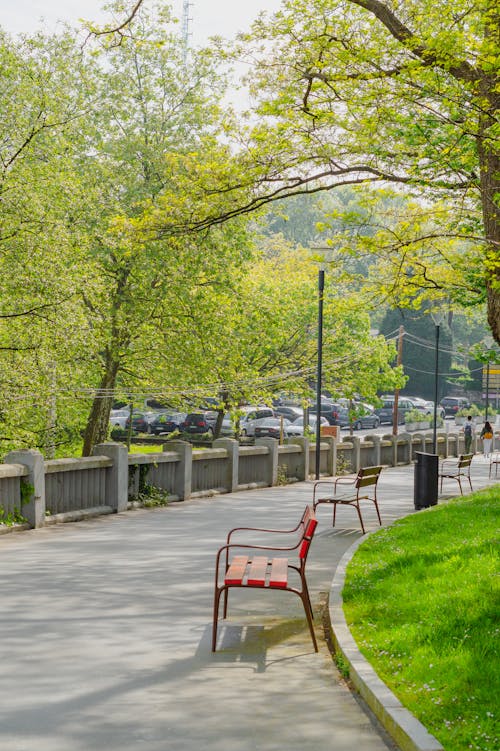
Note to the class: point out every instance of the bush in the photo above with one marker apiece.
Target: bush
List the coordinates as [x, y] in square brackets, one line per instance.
[475, 411]
[415, 415]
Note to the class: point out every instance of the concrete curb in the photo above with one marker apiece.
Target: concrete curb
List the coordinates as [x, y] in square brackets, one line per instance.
[404, 728]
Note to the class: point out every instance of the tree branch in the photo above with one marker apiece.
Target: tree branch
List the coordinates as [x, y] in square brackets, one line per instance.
[460, 69]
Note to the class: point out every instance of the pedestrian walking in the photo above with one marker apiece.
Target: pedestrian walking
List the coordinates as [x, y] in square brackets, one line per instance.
[487, 436]
[468, 433]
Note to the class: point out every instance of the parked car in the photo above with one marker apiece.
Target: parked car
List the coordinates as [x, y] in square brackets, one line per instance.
[330, 410]
[167, 422]
[227, 426]
[297, 426]
[452, 404]
[270, 427]
[198, 423]
[252, 418]
[291, 413]
[141, 421]
[367, 420]
[385, 413]
[118, 418]
[427, 407]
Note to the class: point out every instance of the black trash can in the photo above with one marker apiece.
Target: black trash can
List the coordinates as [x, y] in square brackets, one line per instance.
[426, 480]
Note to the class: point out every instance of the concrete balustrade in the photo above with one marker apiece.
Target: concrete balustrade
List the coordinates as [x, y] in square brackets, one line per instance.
[110, 480]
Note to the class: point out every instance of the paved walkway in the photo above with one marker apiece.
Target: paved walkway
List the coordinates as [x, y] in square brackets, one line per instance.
[106, 626]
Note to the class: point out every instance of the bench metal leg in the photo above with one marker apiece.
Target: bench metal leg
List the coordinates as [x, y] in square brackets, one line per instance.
[215, 621]
[306, 603]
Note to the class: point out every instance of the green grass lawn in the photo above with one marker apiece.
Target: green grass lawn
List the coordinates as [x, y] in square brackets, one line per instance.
[140, 448]
[422, 601]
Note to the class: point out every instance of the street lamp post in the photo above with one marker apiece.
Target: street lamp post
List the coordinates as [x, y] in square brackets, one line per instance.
[319, 376]
[436, 377]
[487, 390]
[437, 317]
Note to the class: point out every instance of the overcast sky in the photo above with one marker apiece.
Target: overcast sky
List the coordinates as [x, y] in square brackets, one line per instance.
[209, 17]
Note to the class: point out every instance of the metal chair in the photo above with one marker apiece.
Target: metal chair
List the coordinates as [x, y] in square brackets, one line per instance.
[455, 469]
[351, 490]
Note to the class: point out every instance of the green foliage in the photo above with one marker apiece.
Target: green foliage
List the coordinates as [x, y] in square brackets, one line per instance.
[415, 415]
[380, 94]
[475, 411]
[282, 475]
[151, 497]
[9, 519]
[26, 490]
[342, 665]
[421, 599]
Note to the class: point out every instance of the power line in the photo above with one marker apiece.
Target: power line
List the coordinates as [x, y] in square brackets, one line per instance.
[202, 390]
[454, 374]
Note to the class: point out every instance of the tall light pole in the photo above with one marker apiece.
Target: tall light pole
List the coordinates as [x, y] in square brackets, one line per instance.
[487, 390]
[319, 375]
[326, 250]
[437, 317]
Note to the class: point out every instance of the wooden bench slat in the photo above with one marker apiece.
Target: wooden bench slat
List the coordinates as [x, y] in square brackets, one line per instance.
[236, 570]
[367, 480]
[257, 572]
[279, 573]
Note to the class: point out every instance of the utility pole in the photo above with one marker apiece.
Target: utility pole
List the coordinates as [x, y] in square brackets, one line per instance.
[396, 393]
[186, 5]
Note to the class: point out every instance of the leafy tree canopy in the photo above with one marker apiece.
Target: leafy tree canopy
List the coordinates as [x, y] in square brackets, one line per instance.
[371, 93]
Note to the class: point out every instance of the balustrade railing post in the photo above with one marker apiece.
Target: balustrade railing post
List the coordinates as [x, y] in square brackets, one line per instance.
[184, 471]
[271, 478]
[116, 476]
[233, 455]
[356, 453]
[302, 466]
[376, 440]
[33, 494]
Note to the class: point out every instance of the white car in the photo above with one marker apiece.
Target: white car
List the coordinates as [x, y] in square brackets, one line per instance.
[118, 418]
[253, 417]
[297, 426]
[426, 406]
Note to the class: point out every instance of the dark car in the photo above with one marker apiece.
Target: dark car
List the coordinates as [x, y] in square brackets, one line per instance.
[167, 422]
[197, 423]
[385, 413]
[452, 404]
[331, 410]
[271, 427]
[367, 420]
[141, 422]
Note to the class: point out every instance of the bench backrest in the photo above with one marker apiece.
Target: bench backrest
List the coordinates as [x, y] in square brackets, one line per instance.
[310, 524]
[368, 476]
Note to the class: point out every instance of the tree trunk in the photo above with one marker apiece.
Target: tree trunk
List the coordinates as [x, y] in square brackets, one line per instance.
[96, 430]
[489, 163]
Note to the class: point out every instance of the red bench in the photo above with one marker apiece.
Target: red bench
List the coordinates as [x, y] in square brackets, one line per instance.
[350, 490]
[247, 569]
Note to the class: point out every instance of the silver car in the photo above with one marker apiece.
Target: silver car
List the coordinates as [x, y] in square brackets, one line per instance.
[252, 418]
[297, 426]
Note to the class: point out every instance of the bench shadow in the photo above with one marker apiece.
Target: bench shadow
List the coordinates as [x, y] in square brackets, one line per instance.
[250, 643]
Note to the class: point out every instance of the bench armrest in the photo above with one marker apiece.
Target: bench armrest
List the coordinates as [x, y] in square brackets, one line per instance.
[261, 529]
[347, 479]
[448, 463]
